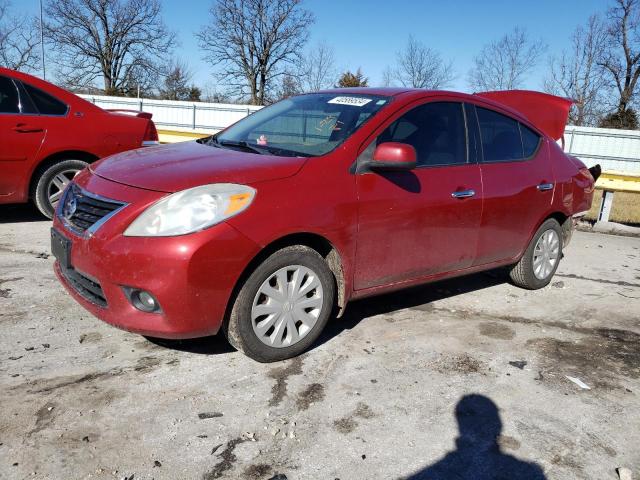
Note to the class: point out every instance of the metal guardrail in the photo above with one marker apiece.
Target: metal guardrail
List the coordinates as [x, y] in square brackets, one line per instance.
[619, 182]
[611, 182]
[175, 136]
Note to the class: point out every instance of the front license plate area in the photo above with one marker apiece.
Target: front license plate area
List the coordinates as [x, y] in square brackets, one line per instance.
[61, 248]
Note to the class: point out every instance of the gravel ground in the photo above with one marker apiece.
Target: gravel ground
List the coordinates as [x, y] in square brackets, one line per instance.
[411, 385]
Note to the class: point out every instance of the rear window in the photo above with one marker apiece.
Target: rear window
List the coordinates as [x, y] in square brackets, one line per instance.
[501, 141]
[45, 103]
[9, 100]
[530, 140]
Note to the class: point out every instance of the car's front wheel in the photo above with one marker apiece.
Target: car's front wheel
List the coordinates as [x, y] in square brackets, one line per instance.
[51, 183]
[540, 261]
[283, 306]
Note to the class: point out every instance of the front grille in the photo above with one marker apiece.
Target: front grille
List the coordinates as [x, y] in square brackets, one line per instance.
[87, 288]
[82, 210]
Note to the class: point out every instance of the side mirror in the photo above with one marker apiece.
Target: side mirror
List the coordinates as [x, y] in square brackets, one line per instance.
[393, 156]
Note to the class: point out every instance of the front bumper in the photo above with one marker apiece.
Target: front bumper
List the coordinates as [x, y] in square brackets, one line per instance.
[191, 276]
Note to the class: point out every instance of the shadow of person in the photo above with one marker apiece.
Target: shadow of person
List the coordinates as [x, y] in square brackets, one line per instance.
[478, 455]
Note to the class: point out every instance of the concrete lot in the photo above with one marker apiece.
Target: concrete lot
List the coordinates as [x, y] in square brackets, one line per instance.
[376, 399]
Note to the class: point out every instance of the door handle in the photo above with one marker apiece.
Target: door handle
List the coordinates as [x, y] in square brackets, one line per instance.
[22, 128]
[463, 194]
[545, 186]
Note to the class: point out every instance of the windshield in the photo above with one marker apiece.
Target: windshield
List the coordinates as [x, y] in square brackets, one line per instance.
[306, 125]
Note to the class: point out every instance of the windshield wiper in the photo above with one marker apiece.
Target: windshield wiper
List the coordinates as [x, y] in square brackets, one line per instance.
[284, 152]
[262, 150]
[240, 144]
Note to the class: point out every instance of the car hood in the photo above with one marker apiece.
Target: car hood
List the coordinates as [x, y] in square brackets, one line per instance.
[175, 167]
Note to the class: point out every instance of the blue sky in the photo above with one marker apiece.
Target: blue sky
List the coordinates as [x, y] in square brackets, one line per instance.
[367, 34]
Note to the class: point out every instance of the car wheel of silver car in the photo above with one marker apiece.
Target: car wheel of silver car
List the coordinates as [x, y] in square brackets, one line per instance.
[51, 183]
[283, 305]
[540, 261]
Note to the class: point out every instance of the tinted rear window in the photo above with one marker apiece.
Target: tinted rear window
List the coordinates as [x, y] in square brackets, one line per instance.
[500, 134]
[9, 100]
[530, 140]
[45, 103]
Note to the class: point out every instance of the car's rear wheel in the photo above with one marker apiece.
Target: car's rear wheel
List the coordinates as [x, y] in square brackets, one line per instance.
[540, 261]
[283, 306]
[52, 182]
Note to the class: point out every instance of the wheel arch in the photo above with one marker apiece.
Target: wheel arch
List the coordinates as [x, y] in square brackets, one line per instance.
[565, 224]
[312, 240]
[54, 158]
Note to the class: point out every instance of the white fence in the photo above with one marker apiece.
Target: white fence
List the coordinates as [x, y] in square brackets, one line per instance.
[178, 115]
[615, 150]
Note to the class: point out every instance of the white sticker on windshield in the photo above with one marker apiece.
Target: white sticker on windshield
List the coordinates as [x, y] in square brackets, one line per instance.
[353, 101]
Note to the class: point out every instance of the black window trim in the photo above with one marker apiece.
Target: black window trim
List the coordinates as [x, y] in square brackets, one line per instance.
[24, 98]
[509, 160]
[356, 167]
[40, 114]
[473, 134]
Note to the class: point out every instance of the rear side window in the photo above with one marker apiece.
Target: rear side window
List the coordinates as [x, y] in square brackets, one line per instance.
[501, 141]
[530, 140]
[436, 130]
[45, 103]
[9, 100]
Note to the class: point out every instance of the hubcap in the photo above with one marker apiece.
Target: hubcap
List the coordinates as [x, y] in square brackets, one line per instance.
[287, 306]
[545, 254]
[57, 185]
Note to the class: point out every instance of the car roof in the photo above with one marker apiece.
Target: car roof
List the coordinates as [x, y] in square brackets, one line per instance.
[64, 95]
[409, 94]
[382, 91]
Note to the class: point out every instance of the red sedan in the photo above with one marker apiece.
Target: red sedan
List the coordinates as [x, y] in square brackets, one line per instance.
[47, 135]
[265, 229]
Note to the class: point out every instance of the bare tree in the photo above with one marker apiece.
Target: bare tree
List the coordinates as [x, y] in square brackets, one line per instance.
[112, 40]
[210, 93]
[253, 42]
[504, 64]
[18, 40]
[577, 75]
[621, 58]
[418, 66]
[387, 77]
[350, 79]
[318, 70]
[177, 83]
[289, 85]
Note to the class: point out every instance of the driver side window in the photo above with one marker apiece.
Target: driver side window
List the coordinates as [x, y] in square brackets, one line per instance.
[436, 130]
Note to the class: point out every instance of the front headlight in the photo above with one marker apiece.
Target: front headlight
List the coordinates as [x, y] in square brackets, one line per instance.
[191, 210]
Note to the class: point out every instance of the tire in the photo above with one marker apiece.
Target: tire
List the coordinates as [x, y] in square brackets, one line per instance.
[264, 322]
[533, 271]
[51, 182]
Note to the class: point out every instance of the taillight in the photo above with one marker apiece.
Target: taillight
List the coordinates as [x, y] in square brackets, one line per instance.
[150, 134]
